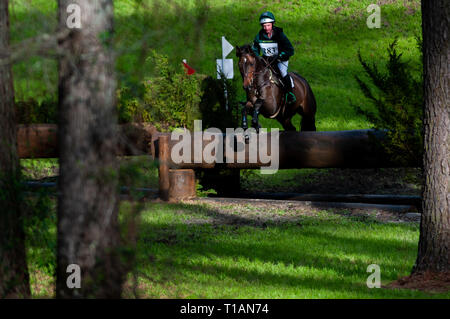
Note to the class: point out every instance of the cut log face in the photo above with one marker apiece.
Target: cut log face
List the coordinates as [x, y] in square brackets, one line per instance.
[182, 184]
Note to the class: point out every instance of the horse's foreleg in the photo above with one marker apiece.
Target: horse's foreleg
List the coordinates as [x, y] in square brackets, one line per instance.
[287, 125]
[255, 122]
[308, 124]
[244, 115]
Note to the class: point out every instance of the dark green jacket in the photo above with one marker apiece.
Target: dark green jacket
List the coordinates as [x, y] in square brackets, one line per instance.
[278, 44]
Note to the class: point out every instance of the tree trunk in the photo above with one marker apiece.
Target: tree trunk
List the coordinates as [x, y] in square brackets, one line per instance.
[434, 243]
[88, 233]
[14, 279]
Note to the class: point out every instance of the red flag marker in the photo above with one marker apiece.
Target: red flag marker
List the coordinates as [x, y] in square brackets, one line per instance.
[189, 70]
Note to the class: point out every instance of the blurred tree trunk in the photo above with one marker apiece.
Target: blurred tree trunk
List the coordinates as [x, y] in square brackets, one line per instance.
[14, 278]
[88, 233]
[434, 243]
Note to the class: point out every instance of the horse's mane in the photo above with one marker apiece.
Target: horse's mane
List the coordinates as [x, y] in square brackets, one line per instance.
[246, 48]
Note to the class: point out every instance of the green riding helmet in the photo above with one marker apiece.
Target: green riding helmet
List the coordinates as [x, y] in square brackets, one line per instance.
[266, 17]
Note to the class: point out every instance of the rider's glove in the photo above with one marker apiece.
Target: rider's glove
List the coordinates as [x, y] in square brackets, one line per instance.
[282, 56]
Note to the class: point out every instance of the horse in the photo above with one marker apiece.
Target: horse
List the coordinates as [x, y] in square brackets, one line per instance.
[265, 93]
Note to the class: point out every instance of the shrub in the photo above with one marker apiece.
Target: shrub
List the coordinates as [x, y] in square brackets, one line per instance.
[398, 105]
[217, 110]
[129, 106]
[169, 100]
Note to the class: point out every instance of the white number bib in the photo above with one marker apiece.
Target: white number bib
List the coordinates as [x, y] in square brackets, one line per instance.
[269, 49]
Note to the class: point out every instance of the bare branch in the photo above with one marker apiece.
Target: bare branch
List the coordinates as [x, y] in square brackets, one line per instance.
[45, 45]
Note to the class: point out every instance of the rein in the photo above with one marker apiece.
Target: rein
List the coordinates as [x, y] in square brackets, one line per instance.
[268, 65]
[256, 90]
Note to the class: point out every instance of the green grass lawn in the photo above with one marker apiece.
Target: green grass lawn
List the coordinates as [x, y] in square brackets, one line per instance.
[198, 250]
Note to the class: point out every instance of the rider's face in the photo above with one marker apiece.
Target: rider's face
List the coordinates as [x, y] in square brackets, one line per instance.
[267, 27]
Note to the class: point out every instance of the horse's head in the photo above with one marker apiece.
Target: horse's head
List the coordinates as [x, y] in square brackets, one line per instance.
[247, 64]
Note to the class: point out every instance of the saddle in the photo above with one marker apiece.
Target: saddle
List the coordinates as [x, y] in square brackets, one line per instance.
[276, 78]
[273, 67]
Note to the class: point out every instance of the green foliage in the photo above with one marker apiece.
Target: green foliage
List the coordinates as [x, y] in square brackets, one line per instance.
[33, 111]
[398, 105]
[248, 173]
[203, 193]
[138, 172]
[169, 100]
[218, 110]
[129, 106]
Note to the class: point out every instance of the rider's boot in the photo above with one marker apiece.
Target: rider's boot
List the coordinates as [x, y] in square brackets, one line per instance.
[290, 96]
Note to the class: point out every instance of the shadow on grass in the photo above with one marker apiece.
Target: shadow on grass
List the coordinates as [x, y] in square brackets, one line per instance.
[323, 258]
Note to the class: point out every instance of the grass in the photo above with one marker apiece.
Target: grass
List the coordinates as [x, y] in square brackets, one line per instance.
[325, 34]
[136, 171]
[39, 168]
[326, 256]
[400, 181]
[195, 250]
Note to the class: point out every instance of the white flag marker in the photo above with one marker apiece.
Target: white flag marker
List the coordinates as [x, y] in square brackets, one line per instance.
[225, 65]
[226, 48]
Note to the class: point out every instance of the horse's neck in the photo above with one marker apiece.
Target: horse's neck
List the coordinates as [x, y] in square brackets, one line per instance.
[262, 70]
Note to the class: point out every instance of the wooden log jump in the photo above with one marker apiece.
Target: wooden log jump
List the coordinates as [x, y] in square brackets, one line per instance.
[40, 140]
[333, 149]
[337, 149]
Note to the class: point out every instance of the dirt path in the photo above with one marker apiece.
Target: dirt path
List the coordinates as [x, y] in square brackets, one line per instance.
[259, 211]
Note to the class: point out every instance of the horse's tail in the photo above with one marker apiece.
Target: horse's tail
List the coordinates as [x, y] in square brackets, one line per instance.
[309, 110]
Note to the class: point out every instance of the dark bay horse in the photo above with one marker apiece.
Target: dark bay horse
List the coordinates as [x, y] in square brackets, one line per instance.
[265, 94]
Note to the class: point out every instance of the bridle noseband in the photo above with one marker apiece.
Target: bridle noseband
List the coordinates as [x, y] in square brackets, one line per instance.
[268, 65]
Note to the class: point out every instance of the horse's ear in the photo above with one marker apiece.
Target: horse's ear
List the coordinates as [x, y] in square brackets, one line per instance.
[252, 53]
[238, 51]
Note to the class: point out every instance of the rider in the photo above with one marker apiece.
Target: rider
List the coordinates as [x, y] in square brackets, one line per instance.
[275, 45]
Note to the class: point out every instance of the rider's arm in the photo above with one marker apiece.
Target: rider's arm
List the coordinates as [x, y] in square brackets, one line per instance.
[286, 48]
[255, 47]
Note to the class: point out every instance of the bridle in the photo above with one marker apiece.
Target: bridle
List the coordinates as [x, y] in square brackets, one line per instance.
[246, 75]
[256, 90]
[268, 65]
